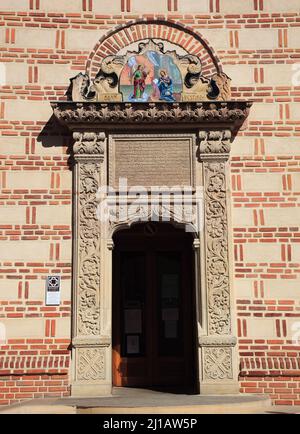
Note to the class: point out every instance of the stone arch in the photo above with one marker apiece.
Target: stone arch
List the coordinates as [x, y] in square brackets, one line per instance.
[135, 221]
[184, 36]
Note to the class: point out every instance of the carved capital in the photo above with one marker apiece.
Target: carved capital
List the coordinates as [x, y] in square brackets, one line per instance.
[214, 145]
[89, 143]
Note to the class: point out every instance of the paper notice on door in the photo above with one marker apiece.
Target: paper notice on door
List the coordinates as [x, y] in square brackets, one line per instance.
[133, 344]
[133, 320]
[170, 329]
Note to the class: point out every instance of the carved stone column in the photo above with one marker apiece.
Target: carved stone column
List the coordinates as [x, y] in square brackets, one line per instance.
[91, 350]
[217, 353]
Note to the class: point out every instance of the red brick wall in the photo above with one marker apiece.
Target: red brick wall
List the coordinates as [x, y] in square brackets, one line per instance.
[35, 40]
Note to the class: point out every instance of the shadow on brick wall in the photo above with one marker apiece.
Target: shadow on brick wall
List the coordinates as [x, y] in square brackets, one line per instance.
[54, 134]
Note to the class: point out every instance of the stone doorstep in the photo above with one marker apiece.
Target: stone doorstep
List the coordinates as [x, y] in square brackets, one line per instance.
[38, 408]
[60, 409]
[142, 403]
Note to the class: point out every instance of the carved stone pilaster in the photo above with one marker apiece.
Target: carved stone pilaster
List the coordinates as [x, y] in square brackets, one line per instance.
[88, 278]
[217, 348]
[89, 350]
[217, 263]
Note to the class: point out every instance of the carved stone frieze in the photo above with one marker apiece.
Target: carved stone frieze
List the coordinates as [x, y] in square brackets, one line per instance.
[233, 113]
[90, 364]
[217, 363]
[218, 291]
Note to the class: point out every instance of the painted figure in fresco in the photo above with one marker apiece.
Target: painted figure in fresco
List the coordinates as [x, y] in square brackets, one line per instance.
[155, 91]
[165, 86]
[139, 82]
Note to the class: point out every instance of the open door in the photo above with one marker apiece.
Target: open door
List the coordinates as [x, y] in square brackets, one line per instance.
[153, 316]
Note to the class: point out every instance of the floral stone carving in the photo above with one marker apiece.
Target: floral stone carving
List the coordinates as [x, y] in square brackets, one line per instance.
[233, 113]
[89, 250]
[217, 249]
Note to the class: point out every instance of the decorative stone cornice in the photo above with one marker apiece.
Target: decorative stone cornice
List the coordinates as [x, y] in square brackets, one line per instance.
[110, 115]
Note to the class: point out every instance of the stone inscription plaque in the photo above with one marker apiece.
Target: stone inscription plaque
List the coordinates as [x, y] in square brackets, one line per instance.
[149, 161]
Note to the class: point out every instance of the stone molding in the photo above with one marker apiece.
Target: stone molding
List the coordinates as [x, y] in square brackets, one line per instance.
[213, 341]
[233, 113]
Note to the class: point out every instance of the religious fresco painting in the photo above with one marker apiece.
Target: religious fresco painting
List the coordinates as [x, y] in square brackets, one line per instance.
[151, 77]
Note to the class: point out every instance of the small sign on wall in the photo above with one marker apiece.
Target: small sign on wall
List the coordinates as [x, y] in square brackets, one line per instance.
[53, 290]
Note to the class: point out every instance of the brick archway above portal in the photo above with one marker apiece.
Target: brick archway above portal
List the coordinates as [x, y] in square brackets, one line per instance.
[183, 36]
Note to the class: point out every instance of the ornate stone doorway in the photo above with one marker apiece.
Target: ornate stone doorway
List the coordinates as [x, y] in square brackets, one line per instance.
[201, 131]
[153, 322]
[172, 131]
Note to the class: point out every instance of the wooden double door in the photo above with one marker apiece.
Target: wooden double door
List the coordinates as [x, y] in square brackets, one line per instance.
[153, 315]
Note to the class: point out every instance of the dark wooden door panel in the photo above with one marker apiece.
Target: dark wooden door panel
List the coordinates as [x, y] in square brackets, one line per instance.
[153, 342]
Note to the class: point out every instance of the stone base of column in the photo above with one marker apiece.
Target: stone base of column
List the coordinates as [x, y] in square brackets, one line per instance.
[80, 390]
[91, 367]
[218, 365]
[219, 388]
